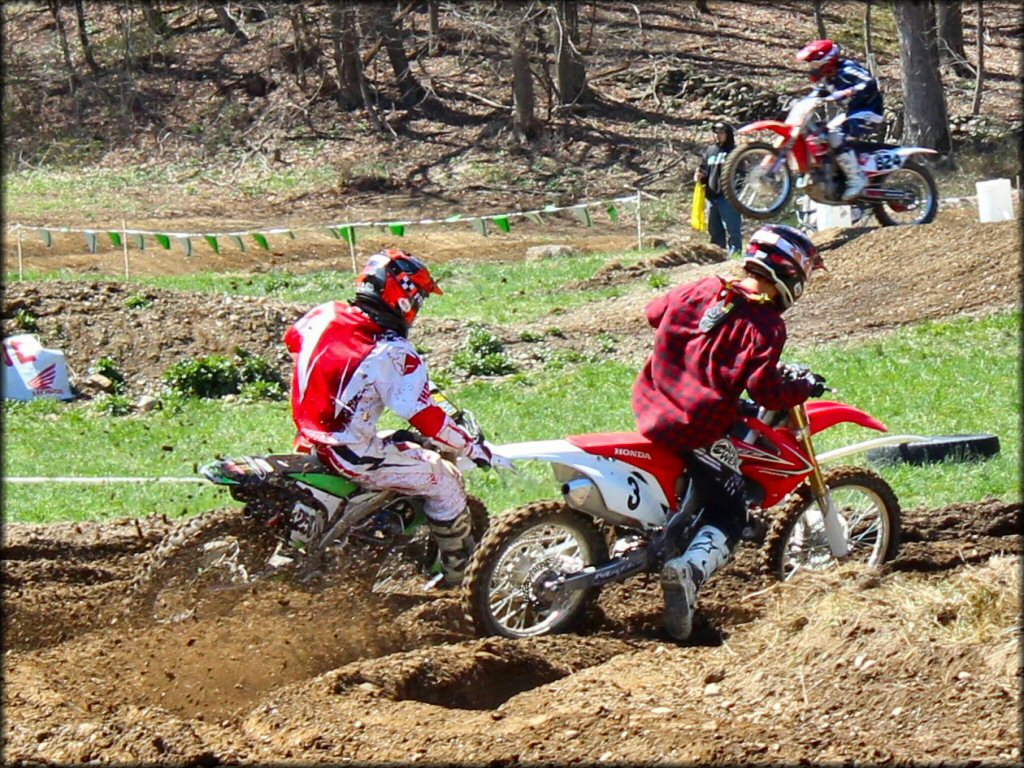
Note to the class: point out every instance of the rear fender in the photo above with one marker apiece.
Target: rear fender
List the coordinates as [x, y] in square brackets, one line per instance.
[886, 160]
[628, 495]
[823, 414]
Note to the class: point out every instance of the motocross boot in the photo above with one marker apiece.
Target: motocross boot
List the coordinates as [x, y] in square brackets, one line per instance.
[455, 545]
[856, 179]
[682, 576]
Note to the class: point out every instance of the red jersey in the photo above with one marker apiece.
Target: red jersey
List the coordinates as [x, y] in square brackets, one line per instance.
[687, 395]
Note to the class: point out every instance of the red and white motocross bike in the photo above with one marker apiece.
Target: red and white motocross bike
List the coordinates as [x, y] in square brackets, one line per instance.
[759, 177]
[628, 506]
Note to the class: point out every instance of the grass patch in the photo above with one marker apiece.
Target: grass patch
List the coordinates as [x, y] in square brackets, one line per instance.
[959, 376]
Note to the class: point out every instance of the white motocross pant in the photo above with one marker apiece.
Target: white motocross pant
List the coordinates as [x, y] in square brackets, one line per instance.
[407, 468]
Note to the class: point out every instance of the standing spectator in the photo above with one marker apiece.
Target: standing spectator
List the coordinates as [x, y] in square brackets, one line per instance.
[723, 220]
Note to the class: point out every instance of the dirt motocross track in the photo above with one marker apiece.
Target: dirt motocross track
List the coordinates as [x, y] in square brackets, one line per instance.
[850, 666]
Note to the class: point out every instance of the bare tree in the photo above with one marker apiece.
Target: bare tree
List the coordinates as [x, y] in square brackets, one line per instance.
[701, 6]
[925, 118]
[949, 15]
[819, 19]
[869, 51]
[83, 37]
[571, 68]
[62, 40]
[348, 66]
[980, 50]
[433, 12]
[154, 18]
[390, 30]
[524, 119]
[227, 22]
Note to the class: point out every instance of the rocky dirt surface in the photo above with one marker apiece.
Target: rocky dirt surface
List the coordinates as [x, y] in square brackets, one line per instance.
[891, 668]
[851, 666]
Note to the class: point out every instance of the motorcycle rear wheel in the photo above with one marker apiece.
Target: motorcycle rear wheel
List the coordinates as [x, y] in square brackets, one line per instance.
[748, 185]
[918, 179]
[522, 548]
[795, 542]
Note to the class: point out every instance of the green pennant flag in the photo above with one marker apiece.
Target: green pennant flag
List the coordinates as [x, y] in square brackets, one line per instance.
[46, 237]
[479, 225]
[238, 241]
[348, 234]
[115, 238]
[613, 213]
[164, 241]
[213, 243]
[139, 240]
[291, 235]
[582, 214]
[261, 240]
[535, 217]
[455, 217]
[186, 245]
[90, 240]
[334, 232]
[398, 230]
[502, 223]
[550, 207]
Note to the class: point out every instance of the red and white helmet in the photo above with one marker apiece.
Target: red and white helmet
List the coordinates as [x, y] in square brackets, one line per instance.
[396, 282]
[785, 256]
[821, 57]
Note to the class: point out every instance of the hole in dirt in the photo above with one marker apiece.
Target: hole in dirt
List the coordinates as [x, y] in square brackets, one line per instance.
[485, 686]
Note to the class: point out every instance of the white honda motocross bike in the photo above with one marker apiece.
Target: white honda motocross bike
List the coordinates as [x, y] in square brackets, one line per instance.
[628, 506]
[759, 177]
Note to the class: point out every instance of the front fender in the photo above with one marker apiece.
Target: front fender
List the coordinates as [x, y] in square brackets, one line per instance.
[775, 126]
[823, 414]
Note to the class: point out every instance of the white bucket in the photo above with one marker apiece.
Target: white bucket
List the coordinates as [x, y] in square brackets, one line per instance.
[995, 200]
[834, 216]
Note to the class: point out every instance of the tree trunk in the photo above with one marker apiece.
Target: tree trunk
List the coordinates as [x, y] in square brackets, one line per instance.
[154, 18]
[571, 69]
[925, 119]
[524, 120]
[408, 86]
[83, 37]
[980, 50]
[701, 6]
[226, 22]
[433, 11]
[819, 20]
[869, 51]
[62, 39]
[949, 14]
[347, 64]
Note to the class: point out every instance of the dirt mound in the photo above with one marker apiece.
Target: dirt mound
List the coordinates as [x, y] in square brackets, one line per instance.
[816, 669]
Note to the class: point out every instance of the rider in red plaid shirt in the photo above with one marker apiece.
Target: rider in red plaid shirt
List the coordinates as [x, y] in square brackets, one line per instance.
[716, 338]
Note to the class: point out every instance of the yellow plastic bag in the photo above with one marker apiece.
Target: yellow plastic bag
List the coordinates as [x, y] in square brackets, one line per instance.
[698, 211]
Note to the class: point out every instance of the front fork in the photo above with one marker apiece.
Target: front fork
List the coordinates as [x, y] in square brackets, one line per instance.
[835, 526]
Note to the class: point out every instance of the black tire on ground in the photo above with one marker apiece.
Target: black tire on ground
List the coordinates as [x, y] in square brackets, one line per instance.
[506, 532]
[939, 448]
[869, 543]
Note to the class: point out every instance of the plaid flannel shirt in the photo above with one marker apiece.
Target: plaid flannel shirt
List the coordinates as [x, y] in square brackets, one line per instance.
[687, 395]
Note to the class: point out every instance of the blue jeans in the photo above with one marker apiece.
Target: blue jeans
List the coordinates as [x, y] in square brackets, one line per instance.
[724, 220]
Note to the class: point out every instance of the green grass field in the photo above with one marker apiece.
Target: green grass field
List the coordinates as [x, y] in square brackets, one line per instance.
[954, 377]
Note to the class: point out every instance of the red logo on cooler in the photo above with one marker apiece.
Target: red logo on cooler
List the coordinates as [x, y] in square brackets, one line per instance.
[44, 379]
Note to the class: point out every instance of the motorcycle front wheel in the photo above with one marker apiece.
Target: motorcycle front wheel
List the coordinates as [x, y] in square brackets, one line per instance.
[523, 550]
[871, 514]
[918, 182]
[749, 183]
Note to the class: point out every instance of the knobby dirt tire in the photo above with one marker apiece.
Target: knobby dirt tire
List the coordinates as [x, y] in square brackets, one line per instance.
[729, 177]
[783, 523]
[505, 530]
[881, 209]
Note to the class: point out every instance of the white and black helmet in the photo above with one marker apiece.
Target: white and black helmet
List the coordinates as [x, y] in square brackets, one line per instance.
[784, 255]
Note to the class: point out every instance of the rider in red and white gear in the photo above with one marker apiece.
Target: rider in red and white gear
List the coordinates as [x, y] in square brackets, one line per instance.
[352, 361]
[843, 80]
